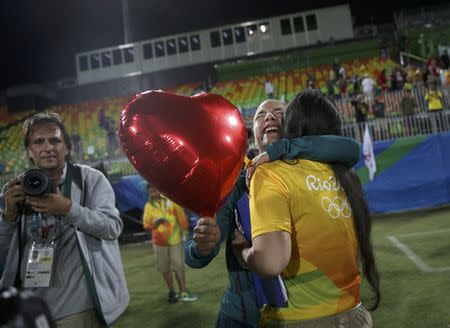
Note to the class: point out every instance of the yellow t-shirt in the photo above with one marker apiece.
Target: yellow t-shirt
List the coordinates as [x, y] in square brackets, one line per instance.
[434, 99]
[168, 231]
[304, 199]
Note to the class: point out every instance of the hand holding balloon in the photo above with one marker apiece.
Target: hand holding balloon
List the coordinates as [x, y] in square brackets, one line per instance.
[206, 235]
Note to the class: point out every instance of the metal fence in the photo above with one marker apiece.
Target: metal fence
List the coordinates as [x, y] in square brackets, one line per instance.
[400, 127]
[392, 100]
[424, 123]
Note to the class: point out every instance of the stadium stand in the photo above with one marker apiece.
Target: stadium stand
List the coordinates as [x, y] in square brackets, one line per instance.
[242, 83]
[81, 117]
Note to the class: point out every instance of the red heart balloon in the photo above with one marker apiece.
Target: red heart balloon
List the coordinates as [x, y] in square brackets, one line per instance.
[190, 148]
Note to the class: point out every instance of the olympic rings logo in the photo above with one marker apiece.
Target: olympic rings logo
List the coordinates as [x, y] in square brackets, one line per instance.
[336, 207]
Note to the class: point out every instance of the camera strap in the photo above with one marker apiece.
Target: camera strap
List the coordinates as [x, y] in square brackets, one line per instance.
[67, 187]
[21, 242]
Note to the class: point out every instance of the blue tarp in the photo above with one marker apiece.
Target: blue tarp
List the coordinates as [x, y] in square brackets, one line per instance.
[131, 192]
[421, 179]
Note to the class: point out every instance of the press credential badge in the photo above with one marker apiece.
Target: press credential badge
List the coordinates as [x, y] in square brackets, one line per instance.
[39, 266]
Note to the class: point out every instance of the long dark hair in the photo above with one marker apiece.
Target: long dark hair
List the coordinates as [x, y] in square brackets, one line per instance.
[312, 113]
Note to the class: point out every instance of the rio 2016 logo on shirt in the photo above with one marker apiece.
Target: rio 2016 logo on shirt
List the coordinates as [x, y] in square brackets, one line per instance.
[336, 207]
[316, 184]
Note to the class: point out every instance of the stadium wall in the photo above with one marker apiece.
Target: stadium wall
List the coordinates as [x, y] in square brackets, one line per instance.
[133, 84]
[317, 55]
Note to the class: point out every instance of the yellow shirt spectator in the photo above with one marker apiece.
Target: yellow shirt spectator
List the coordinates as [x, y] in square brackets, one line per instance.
[165, 220]
[434, 99]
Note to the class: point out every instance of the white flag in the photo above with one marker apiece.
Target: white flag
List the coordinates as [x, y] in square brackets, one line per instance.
[369, 156]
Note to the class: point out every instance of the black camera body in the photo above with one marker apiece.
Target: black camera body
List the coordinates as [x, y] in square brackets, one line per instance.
[35, 182]
[23, 309]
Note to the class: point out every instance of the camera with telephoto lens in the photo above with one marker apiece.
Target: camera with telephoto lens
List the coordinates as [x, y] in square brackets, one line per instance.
[36, 183]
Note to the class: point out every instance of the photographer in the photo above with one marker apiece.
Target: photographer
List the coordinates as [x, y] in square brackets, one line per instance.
[62, 242]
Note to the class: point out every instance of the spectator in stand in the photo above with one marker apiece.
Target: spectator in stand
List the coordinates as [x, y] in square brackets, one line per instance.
[408, 107]
[268, 88]
[332, 75]
[102, 119]
[399, 78]
[341, 86]
[433, 71]
[311, 84]
[368, 88]
[351, 88]
[329, 85]
[408, 104]
[409, 84]
[323, 88]
[76, 142]
[167, 221]
[446, 82]
[433, 98]
[393, 80]
[425, 73]
[362, 70]
[341, 72]
[357, 84]
[336, 67]
[379, 106]
[379, 112]
[409, 73]
[381, 80]
[360, 107]
[111, 135]
[445, 60]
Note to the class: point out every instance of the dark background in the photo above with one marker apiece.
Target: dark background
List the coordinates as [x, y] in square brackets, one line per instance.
[41, 37]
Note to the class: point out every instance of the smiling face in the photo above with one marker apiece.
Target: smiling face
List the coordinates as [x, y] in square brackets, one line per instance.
[47, 148]
[268, 123]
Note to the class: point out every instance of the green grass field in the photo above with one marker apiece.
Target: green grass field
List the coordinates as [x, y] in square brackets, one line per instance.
[411, 297]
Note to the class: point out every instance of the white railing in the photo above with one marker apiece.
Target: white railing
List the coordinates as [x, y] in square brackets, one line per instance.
[425, 123]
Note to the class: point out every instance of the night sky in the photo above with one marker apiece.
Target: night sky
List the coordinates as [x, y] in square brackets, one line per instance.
[43, 36]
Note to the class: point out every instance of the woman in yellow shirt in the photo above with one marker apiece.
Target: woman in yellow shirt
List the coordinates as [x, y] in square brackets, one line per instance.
[433, 98]
[311, 224]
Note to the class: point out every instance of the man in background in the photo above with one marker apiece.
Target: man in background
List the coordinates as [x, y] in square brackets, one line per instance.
[268, 88]
[167, 222]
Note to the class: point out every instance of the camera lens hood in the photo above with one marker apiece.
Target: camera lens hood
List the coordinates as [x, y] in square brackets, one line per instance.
[34, 182]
